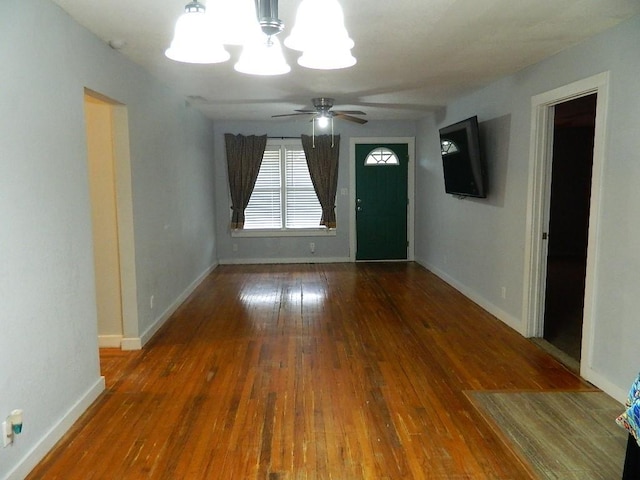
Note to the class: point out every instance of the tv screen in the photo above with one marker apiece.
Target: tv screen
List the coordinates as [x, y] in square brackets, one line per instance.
[463, 165]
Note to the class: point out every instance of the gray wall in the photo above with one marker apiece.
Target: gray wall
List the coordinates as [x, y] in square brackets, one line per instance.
[479, 244]
[48, 341]
[285, 249]
[48, 346]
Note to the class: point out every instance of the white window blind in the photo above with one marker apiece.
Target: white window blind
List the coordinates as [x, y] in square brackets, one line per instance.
[302, 207]
[265, 205]
[283, 197]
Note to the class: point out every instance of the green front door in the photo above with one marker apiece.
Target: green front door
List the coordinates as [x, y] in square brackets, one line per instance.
[381, 201]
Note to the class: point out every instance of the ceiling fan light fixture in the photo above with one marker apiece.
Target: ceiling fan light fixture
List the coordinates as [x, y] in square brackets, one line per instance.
[323, 121]
[194, 40]
[263, 57]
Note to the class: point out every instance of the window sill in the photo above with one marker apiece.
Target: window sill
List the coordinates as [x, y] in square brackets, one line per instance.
[290, 232]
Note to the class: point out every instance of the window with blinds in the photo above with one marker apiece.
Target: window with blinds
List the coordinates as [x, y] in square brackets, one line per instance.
[283, 197]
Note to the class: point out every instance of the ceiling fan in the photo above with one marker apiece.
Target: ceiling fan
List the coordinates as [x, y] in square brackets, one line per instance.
[322, 109]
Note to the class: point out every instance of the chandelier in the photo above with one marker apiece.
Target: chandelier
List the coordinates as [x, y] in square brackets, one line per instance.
[319, 33]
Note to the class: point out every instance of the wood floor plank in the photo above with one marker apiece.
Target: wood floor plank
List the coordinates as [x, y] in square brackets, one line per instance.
[337, 371]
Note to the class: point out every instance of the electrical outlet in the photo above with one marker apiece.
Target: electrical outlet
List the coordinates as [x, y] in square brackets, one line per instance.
[312, 247]
[151, 301]
[7, 434]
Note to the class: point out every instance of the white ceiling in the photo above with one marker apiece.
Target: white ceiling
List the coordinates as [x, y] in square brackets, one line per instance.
[413, 55]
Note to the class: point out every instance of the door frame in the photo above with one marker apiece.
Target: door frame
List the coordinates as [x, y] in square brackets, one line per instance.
[540, 159]
[124, 213]
[410, 142]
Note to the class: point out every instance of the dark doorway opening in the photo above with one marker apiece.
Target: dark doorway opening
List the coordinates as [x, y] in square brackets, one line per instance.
[573, 139]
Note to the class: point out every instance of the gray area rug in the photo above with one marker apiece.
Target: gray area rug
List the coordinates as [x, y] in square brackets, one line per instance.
[560, 435]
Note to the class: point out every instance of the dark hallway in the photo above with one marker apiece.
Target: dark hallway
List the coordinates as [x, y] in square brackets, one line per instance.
[574, 127]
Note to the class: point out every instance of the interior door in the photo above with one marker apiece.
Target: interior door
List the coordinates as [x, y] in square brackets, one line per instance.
[381, 201]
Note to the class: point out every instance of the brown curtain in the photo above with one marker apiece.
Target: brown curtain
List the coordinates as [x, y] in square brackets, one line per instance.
[322, 160]
[244, 156]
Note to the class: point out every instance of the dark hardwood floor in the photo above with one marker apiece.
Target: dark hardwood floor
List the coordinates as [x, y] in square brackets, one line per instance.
[333, 371]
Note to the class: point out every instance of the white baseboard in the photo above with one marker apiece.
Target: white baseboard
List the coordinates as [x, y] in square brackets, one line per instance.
[162, 319]
[603, 384]
[118, 341]
[46, 443]
[586, 372]
[131, 343]
[268, 261]
[109, 341]
[497, 312]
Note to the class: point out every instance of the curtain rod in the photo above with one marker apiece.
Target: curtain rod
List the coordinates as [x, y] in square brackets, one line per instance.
[298, 137]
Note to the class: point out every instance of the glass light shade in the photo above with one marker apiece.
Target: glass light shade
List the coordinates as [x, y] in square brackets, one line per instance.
[327, 59]
[195, 40]
[318, 21]
[322, 121]
[262, 56]
[235, 20]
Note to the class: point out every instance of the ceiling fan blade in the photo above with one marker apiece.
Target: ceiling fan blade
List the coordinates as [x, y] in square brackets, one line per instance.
[292, 114]
[306, 111]
[350, 118]
[349, 112]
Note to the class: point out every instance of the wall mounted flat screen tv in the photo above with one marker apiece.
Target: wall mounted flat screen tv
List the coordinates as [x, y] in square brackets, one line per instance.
[462, 160]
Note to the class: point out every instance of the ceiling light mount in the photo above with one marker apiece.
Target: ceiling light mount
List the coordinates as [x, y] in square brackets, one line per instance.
[324, 103]
[268, 17]
[194, 7]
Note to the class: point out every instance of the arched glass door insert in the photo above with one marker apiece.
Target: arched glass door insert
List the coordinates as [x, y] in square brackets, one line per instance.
[381, 156]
